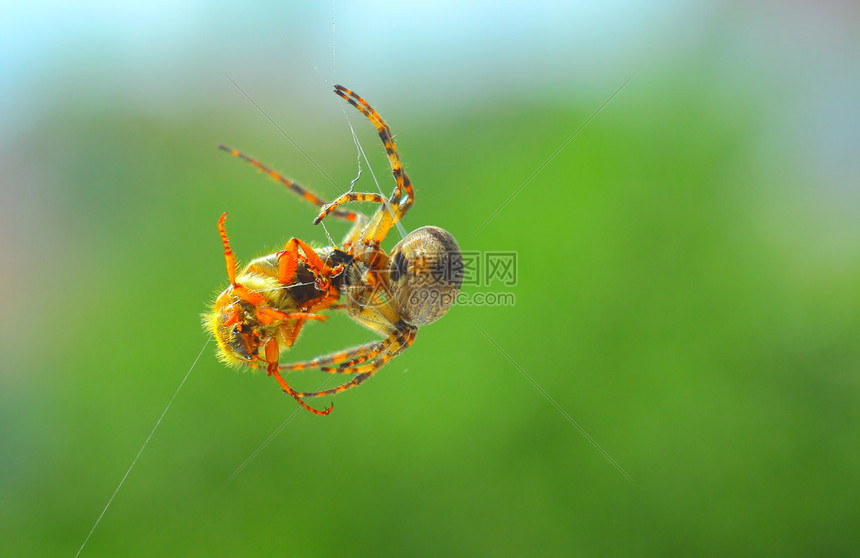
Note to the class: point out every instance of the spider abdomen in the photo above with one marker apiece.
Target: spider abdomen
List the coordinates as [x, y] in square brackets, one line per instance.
[425, 274]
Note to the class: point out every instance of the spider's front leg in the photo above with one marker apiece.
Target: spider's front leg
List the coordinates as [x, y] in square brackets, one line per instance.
[290, 184]
[394, 208]
[403, 195]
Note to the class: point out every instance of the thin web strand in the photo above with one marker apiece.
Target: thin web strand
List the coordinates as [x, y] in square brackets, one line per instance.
[400, 228]
[333, 57]
[283, 425]
[143, 447]
[558, 407]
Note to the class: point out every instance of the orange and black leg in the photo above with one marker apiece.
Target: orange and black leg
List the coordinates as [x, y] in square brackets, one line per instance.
[348, 197]
[396, 343]
[248, 295]
[346, 358]
[229, 257]
[403, 195]
[272, 368]
[389, 348]
[403, 192]
[291, 185]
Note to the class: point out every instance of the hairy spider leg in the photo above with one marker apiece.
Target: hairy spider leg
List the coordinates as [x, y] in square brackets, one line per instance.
[348, 197]
[403, 195]
[295, 187]
[356, 355]
[395, 343]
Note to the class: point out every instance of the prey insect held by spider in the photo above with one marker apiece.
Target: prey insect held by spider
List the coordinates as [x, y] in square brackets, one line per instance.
[259, 315]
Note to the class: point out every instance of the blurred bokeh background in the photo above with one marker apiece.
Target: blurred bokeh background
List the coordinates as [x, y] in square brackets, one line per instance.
[688, 280]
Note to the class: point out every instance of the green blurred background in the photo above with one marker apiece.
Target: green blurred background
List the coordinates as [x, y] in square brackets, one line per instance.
[688, 279]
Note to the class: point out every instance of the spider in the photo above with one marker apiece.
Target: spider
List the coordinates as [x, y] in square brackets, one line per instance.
[261, 312]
